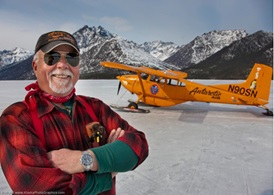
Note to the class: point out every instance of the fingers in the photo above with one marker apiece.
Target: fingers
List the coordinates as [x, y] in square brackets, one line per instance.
[115, 134]
[50, 157]
[113, 174]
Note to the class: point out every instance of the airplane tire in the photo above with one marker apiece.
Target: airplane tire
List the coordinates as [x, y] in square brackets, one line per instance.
[133, 105]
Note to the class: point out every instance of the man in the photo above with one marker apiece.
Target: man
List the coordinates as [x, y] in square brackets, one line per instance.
[51, 142]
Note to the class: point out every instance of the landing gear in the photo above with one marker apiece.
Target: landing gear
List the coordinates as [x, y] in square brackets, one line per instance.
[268, 112]
[133, 105]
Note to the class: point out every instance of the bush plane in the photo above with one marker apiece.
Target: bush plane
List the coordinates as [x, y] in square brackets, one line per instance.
[170, 87]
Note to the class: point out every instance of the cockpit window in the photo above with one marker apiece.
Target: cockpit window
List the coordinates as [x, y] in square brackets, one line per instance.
[144, 76]
[155, 78]
[152, 77]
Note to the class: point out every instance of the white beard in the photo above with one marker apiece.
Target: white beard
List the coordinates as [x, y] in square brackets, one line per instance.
[63, 86]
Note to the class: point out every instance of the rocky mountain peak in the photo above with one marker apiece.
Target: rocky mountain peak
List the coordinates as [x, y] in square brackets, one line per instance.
[236, 60]
[204, 46]
[12, 56]
[159, 49]
[87, 36]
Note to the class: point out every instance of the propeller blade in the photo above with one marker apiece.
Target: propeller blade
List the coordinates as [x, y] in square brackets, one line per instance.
[119, 86]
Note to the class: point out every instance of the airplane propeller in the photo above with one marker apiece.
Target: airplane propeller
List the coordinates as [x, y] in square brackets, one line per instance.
[119, 87]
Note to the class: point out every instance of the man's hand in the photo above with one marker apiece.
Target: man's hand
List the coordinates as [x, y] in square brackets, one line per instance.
[66, 160]
[115, 134]
[69, 160]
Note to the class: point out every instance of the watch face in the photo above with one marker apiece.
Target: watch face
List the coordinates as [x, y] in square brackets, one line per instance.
[87, 159]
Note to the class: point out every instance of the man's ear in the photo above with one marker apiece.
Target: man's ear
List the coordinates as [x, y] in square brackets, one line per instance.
[34, 67]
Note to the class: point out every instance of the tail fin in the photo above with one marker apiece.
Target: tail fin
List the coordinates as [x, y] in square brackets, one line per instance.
[259, 82]
[256, 88]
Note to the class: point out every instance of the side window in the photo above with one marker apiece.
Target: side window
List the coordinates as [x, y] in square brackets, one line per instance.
[172, 82]
[162, 80]
[154, 78]
[181, 84]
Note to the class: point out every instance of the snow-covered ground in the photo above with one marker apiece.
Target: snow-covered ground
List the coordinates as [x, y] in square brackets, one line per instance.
[195, 148]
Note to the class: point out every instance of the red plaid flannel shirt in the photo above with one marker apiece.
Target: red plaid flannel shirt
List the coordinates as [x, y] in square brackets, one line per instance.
[24, 158]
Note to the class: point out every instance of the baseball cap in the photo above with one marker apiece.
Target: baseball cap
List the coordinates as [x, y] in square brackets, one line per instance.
[53, 39]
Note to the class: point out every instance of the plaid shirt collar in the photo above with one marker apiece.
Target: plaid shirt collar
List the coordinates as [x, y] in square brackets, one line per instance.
[46, 106]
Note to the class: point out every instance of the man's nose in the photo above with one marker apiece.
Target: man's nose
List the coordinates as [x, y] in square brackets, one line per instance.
[62, 63]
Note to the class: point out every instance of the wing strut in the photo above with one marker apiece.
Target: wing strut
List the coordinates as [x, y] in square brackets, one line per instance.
[143, 89]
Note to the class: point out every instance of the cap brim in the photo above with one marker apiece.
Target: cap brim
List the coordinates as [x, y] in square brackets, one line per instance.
[50, 46]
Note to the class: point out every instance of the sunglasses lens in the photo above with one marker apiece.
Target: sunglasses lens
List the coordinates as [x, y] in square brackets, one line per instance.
[52, 58]
[73, 59]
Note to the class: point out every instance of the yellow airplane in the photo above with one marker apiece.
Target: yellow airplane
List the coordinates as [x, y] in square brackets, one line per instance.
[169, 87]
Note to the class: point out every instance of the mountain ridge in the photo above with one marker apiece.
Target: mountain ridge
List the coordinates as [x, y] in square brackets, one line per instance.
[202, 47]
[98, 44]
[236, 60]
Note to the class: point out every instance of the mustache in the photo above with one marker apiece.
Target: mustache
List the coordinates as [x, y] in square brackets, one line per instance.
[61, 72]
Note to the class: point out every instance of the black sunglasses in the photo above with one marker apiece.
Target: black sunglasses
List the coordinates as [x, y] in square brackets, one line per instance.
[53, 57]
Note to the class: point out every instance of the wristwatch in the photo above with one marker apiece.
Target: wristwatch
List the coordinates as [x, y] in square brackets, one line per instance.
[86, 160]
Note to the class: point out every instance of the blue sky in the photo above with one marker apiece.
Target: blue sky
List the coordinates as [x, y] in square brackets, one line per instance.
[179, 21]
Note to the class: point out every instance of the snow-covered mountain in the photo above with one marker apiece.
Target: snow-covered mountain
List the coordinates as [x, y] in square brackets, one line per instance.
[13, 56]
[236, 60]
[204, 46]
[97, 44]
[159, 49]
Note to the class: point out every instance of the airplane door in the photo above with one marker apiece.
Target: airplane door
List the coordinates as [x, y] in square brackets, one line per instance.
[157, 90]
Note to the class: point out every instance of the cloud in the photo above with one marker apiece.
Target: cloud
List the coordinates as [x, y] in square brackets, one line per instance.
[15, 31]
[119, 24]
[176, 20]
[69, 27]
[88, 17]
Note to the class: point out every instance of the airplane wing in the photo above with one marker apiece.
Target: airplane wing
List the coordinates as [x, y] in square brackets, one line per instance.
[172, 74]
